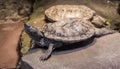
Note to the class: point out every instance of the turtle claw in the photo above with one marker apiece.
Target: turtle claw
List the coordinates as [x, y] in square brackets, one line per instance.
[47, 53]
[43, 58]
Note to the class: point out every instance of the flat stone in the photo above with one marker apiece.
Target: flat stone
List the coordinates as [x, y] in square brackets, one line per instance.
[102, 53]
[9, 38]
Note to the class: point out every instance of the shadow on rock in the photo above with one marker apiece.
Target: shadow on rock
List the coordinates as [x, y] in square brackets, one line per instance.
[71, 47]
[25, 65]
[75, 47]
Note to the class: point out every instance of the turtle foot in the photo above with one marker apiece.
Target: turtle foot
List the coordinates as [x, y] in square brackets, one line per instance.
[43, 57]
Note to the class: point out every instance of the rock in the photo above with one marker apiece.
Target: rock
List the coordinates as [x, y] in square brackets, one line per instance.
[15, 9]
[9, 39]
[102, 54]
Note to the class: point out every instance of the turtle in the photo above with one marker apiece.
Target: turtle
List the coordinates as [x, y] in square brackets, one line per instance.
[55, 35]
[61, 12]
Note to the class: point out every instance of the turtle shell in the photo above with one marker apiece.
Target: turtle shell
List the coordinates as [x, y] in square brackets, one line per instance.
[69, 31]
[60, 12]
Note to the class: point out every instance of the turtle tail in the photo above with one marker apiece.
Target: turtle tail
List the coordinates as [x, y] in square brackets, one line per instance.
[103, 31]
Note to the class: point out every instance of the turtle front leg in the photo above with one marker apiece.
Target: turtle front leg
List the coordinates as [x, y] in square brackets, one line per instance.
[47, 53]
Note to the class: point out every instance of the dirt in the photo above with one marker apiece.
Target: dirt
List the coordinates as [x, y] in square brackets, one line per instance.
[9, 38]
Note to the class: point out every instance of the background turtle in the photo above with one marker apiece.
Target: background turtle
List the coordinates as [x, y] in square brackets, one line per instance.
[61, 12]
[57, 34]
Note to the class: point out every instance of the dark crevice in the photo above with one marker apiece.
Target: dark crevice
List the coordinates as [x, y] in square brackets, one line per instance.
[118, 10]
[70, 47]
[24, 13]
[26, 10]
[19, 50]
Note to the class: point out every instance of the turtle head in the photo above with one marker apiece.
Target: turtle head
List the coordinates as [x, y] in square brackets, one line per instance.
[33, 32]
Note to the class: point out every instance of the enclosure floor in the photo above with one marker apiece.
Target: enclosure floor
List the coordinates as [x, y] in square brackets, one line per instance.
[102, 53]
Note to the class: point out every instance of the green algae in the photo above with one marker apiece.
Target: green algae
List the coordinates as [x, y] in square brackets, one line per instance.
[36, 20]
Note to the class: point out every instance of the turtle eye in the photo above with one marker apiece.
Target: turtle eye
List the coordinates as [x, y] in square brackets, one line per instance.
[41, 34]
[32, 29]
[58, 34]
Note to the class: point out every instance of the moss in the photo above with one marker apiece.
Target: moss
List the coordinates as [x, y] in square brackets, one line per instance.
[36, 20]
[109, 20]
[25, 43]
[37, 16]
[37, 12]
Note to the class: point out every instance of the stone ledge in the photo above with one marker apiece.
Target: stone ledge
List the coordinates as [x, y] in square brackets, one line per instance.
[104, 54]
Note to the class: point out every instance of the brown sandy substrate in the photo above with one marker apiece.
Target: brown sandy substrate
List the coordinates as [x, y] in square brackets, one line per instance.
[9, 38]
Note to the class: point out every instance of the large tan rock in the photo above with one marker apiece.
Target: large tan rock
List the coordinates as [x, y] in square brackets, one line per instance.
[102, 54]
[9, 38]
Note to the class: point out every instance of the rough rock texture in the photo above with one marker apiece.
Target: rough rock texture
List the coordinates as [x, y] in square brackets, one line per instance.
[103, 54]
[13, 10]
[9, 38]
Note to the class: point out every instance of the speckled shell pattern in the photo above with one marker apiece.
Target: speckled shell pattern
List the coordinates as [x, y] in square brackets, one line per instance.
[60, 12]
[69, 31]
